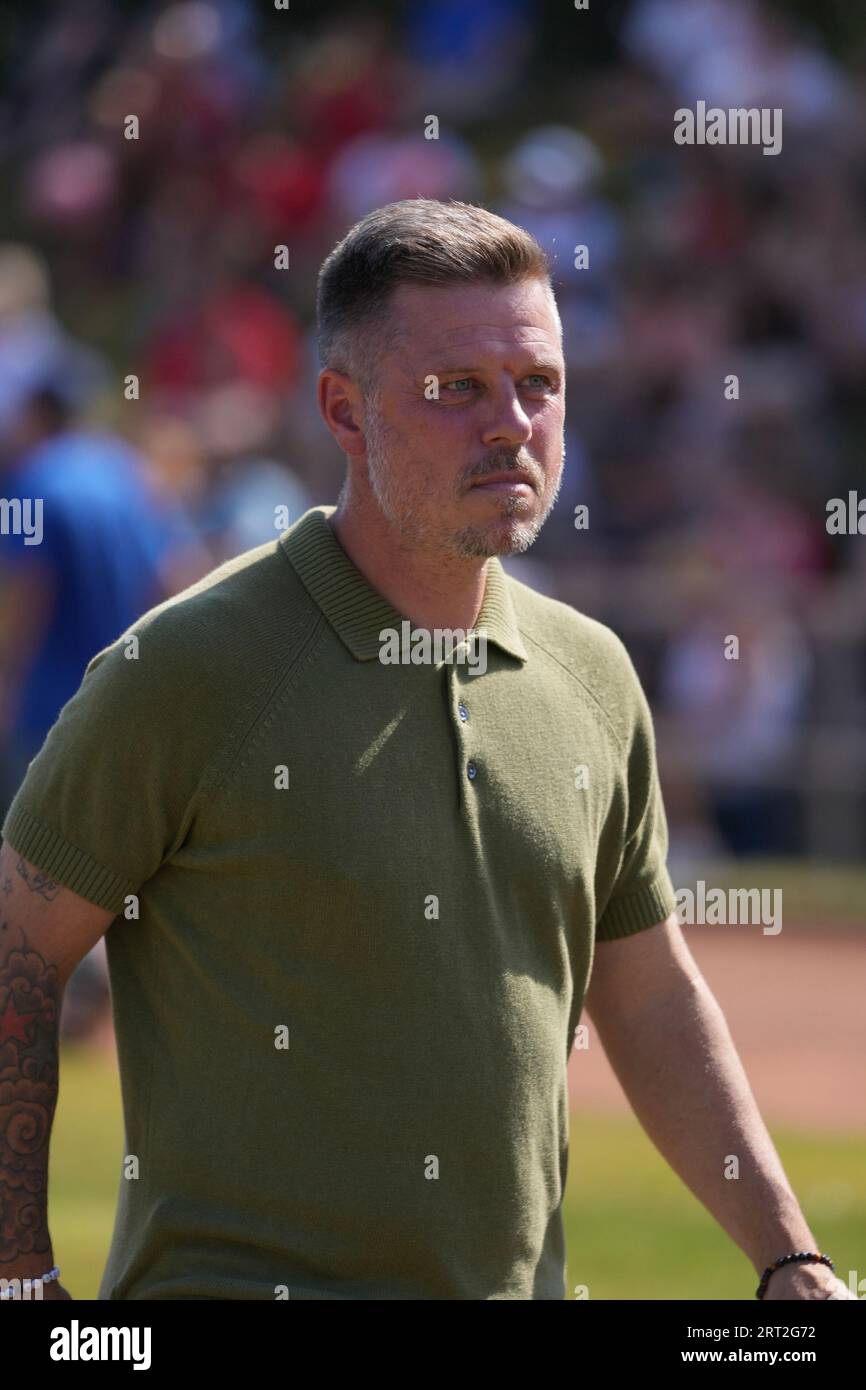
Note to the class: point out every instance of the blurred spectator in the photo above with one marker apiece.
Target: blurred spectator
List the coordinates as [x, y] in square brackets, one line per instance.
[735, 685]
[471, 56]
[248, 506]
[373, 170]
[97, 564]
[33, 345]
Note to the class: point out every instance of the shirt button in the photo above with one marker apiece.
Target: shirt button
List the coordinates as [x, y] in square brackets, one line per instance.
[463, 711]
[471, 771]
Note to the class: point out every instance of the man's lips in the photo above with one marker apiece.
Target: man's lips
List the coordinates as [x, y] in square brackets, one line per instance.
[505, 482]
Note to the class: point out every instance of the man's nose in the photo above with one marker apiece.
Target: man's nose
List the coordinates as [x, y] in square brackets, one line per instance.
[507, 422]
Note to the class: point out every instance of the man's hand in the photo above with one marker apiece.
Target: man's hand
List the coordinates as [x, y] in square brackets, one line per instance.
[806, 1281]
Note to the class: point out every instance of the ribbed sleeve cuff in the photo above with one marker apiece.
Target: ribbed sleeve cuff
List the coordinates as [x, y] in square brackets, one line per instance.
[624, 916]
[65, 862]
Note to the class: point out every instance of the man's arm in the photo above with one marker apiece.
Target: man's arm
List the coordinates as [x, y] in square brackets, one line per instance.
[45, 930]
[667, 1040]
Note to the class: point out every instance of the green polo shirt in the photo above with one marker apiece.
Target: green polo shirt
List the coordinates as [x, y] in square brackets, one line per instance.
[356, 910]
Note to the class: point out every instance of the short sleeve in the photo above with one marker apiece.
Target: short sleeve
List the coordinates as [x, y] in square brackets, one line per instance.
[111, 792]
[641, 892]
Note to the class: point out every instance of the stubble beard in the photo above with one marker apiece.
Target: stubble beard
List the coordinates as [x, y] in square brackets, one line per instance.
[511, 533]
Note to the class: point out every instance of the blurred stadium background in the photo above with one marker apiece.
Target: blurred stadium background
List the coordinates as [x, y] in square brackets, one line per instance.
[155, 256]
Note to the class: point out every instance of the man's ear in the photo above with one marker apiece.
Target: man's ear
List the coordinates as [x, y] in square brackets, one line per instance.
[341, 406]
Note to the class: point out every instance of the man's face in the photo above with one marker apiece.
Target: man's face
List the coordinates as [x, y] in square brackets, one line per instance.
[493, 354]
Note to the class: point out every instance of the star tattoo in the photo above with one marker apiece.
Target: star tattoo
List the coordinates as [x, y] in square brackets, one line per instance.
[13, 1024]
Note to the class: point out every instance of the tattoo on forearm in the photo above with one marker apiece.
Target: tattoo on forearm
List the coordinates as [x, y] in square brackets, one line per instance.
[39, 883]
[29, 1013]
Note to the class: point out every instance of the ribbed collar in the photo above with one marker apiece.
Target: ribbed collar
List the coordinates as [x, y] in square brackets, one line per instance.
[357, 611]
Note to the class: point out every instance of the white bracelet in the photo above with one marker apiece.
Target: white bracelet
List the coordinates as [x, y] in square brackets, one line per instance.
[27, 1284]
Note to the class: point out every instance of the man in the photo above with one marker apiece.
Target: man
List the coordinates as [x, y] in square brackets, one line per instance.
[359, 900]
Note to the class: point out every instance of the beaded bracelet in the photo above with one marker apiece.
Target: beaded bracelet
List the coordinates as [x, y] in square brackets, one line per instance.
[812, 1256]
[27, 1284]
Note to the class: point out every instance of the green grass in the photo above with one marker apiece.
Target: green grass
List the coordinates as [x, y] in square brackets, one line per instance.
[85, 1163]
[633, 1230]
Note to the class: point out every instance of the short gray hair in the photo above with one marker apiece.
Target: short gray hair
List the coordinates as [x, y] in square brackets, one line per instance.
[419, 241]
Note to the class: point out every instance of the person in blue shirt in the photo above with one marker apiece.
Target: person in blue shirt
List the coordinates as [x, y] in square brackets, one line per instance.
[92, 563]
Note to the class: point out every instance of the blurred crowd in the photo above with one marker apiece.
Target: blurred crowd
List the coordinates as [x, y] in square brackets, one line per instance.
[158, 362]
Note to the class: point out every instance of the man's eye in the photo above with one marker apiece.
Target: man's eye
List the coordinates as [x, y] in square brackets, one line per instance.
[536, 381]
